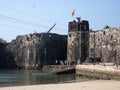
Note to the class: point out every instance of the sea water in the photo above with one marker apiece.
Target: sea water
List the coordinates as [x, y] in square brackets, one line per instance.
[27, 77]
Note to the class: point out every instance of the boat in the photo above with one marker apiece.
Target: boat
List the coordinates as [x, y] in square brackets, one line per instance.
[55, 69]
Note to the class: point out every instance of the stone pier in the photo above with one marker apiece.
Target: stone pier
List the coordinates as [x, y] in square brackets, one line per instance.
[99, 71]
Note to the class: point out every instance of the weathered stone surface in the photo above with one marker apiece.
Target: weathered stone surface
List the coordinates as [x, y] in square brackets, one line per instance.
[35, 50]
[99, 71]
[106, 45]
[78, 41]
[6, 58]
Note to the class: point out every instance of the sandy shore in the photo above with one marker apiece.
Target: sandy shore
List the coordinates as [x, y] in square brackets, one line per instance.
[87, 85]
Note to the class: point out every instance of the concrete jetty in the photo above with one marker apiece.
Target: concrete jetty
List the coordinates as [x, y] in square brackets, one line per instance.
[59, 69]
[99, 71]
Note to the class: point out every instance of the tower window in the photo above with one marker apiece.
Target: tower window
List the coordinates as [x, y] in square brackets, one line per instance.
[74, 27]
[71, 27]
[83, 34]
[79, 27]
[69, 35]
[104, 33]
[111, 36]
[84, 27]
[98, 39]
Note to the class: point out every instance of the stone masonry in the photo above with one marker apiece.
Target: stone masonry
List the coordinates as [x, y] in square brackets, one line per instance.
[32, 51]
[105, 44]
[92, 46]
[78, 41]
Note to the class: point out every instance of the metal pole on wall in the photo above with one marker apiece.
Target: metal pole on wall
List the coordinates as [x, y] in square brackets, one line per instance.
[94, 55]
[45, 56]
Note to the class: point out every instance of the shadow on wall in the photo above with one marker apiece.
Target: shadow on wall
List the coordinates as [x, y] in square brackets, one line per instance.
[6, 58]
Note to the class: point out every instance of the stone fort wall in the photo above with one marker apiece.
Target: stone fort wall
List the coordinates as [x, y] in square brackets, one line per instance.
[105, 44]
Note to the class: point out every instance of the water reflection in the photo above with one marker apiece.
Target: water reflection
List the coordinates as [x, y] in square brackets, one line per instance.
[23, 77]
[52, 78]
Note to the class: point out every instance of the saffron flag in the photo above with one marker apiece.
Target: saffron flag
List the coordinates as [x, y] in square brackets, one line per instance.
[73, 13]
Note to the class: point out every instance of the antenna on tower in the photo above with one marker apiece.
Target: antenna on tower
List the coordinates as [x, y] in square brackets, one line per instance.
[78, 18]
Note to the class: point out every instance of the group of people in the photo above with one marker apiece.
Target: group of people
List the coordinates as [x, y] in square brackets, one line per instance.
[61, 62]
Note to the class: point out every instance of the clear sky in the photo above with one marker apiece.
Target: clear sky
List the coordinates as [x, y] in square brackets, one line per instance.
[20, 17]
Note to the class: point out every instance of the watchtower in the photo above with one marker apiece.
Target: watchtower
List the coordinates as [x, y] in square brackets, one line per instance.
[78, 41]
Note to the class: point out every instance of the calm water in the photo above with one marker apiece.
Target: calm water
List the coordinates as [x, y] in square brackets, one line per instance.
[24, 77]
